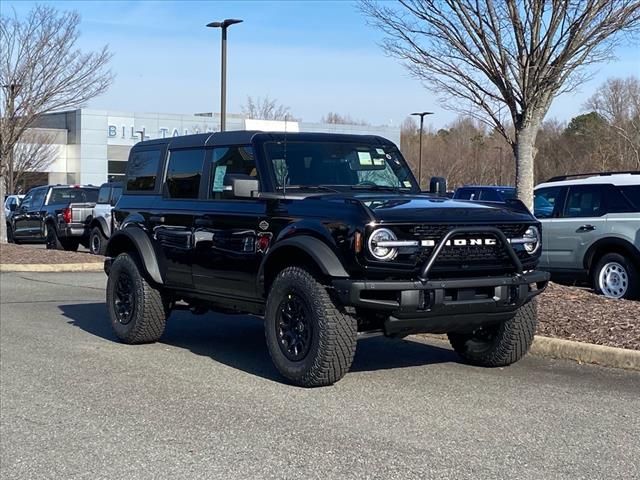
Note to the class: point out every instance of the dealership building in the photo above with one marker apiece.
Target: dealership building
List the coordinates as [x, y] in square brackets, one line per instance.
[92, 146]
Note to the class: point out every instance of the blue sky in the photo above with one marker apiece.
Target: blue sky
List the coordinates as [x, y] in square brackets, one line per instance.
[313, 56]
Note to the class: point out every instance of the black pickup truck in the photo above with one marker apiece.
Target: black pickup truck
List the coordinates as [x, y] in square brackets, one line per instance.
[55, 214]
[327, 237]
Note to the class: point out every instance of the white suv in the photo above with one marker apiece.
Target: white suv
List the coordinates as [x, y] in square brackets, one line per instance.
[591, 230]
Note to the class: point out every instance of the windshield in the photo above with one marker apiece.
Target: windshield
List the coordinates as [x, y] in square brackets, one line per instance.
[338, 164]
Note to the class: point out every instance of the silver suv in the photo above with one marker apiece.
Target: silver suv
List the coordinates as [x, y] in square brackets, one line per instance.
[591, 230]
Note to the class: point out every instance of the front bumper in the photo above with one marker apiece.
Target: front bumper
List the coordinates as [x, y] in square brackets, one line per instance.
[440, 306]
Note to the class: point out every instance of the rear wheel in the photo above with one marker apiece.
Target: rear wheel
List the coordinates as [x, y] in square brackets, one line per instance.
[138, 311]
[616, 277]
[51, 238]
[97, 242]
[501, 344]
[310, 338]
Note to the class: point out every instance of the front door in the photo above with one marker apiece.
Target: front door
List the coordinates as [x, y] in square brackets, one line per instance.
[226, 233]
[27, 218]
[547, 207]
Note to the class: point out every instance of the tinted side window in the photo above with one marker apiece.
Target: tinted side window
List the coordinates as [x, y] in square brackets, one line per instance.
[616, 201]
[632, 194]
[38, 198]
[103, 194]
[545, 200]
[585, 201]
[237, 160]
[116, 192]
[489, 195]
[142, 170]
[184, 172]
[465, 194]
[26, 201]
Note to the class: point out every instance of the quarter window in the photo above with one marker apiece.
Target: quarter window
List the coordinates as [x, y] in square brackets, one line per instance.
[584, 201]
[237, 160]
[184, 172]
[632, 193]
[142, 170]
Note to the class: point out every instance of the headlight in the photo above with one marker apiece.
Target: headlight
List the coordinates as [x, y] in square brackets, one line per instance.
[531, 240]
[378, 251]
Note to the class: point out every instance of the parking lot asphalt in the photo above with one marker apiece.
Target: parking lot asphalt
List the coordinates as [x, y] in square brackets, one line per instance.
[206, 402]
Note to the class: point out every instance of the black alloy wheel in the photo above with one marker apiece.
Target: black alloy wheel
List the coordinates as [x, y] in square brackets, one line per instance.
[295, 330]
[124, 298]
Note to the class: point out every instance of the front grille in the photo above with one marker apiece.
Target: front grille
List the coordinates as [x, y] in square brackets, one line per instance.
[453, 257]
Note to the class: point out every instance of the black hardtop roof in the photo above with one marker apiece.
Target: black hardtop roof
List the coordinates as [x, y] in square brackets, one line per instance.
[243, 137]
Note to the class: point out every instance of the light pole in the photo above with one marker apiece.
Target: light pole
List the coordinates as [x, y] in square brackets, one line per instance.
[421, 115]
[223, 83]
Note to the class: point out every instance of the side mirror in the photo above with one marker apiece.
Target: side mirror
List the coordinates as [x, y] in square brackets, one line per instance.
[240, 185]
[438, 185]
[13, 207]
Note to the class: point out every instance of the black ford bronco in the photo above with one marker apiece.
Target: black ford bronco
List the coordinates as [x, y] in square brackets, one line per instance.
[326, 236]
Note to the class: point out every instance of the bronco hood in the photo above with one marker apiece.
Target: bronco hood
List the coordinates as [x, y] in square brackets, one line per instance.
[422, 208]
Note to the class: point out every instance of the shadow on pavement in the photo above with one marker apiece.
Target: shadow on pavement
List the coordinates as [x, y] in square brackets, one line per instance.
[238, 341]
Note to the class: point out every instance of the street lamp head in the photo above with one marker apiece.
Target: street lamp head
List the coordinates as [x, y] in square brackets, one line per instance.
[224, 24]
[422, 114]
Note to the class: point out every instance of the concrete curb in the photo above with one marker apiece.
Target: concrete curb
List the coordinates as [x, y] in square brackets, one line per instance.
[54, 267]
[578, 351]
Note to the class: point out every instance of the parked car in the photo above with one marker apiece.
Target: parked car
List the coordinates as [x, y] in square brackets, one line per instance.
[57, 215]
[591, 230]
[100, 226]
[325, 235]
[9, 201]
[485, 193]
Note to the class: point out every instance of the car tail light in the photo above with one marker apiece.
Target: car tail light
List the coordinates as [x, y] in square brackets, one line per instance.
[66, 215]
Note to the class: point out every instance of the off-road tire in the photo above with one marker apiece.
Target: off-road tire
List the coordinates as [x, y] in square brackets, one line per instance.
[97, 242]
[633, 287]
[333, 337]
[51, 238]
[507, 343]
[150, 309]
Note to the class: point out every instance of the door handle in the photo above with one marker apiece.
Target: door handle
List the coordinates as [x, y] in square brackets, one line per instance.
[586, 228]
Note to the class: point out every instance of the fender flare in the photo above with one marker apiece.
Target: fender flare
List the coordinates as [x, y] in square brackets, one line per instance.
[102, 224]
[143, 247]
[318, 250]
[616, 242]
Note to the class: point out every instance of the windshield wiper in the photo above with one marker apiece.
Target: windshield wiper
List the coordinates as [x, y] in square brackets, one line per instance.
[314, 187]
[387, 188]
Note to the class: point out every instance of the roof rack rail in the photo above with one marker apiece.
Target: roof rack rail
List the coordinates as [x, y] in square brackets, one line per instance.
[559, 178]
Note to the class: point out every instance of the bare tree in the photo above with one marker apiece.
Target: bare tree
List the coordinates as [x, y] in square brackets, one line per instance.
[265, 109]
[618, 102]
[482, 55]
[41, 71]
[34, 153]
[338, 119]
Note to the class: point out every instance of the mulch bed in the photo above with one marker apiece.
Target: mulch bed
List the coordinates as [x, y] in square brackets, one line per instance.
[11, 253]
[579, 314]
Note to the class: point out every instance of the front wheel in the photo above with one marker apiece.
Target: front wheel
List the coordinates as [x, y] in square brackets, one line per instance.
[138, 311]
[501, 344]
[10, 237]
[51, 238]
[310, 338]
[616, 277]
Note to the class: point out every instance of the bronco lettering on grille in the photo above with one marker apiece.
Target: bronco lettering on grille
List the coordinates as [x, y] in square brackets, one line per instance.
[462, 242]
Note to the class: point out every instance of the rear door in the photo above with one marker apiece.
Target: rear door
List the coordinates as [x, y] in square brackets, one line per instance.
[175, 213]
[227, 228]
[103, 206]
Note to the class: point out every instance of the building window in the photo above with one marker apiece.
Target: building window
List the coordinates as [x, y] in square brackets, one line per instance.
[117, 167]
[142, 170]
[184, 172]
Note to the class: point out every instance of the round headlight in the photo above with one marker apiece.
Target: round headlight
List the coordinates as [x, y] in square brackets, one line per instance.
[532, 240]
[380, 252]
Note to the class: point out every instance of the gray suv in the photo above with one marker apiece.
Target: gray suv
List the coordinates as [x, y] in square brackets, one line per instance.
[591, 230]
